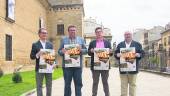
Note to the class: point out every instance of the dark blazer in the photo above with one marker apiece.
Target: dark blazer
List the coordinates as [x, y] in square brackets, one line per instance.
[36, 48]
[138, 49]
[92, 44]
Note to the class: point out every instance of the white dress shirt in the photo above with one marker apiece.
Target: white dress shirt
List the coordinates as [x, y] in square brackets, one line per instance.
[128, 44]
[43, 45]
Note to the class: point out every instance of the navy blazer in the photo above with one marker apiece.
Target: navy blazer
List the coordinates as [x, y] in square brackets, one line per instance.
[92, 44]
[138, 49]
[36, 48]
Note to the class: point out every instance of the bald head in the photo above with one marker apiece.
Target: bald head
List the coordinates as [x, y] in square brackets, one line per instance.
[128, 36]
[128, 33]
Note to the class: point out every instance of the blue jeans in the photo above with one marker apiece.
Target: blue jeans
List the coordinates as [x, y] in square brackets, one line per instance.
[76, 74]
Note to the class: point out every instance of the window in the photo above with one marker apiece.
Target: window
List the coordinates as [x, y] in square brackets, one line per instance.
[8, 48]
[41, 23]
[153, 46]
[10, 10]
[169, 52]
[60, 29]
[168, 40]
[145, 35]
[146, 48]
[164, 41]
[146, 42]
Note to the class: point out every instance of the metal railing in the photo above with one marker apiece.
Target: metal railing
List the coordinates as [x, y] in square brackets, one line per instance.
[157, 61]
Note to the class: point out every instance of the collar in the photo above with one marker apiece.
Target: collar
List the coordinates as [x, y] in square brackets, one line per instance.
[128, 43]
[43, 41]
[72, 38]
[100, 40]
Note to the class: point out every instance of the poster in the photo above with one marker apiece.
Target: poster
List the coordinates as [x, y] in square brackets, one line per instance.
[72, 55]
[47, 59]
[127, 59]
[101, 59]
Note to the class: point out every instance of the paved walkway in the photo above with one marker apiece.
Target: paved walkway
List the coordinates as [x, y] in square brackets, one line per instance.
[147, 85]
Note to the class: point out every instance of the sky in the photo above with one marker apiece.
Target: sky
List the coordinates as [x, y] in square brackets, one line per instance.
[123, 15]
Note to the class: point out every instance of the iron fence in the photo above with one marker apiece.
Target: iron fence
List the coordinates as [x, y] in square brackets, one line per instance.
[158, 61]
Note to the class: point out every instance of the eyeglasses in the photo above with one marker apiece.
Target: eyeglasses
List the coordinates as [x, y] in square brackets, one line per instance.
[98, 31]
[72, 30]
[43, 32]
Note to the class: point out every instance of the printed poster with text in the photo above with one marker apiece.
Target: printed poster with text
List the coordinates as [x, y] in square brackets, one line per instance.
[127, 59]
[72, 55]
[101, 59]
[47, 59]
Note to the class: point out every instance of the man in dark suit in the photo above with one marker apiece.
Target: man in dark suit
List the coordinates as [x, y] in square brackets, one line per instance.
[100, 42]
[128, 78]
[42, 43]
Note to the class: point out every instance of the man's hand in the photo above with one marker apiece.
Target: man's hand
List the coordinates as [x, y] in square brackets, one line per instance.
[55, 66]
[39, 54]
[137, 55]
[110, 51]
[63, 50]
[79, 48]
[118, 55]
[92, 50]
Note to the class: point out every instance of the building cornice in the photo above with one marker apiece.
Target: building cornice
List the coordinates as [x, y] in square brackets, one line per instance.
[67, 7]
[165, 31]
[46, 4]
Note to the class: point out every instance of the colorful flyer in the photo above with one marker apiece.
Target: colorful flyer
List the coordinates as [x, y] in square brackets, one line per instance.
[72, 55]
[101, 59]
[47, 61]
[127, 59]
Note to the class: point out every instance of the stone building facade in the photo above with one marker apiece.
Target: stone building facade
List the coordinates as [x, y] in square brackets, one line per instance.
[20, 21]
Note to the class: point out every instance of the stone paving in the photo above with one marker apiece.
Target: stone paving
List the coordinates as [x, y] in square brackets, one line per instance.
[148, 84]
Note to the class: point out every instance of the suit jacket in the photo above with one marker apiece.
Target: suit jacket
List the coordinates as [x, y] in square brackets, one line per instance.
[92, 44]
[138, 49]
[36, 48]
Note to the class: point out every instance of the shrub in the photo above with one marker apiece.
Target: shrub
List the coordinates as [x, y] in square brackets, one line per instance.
[17, 78]
[1, 73]
[154, 60]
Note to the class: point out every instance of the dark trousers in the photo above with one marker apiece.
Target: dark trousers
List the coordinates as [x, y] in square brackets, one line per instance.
[104, 76]
[76, 75]
[39, 82]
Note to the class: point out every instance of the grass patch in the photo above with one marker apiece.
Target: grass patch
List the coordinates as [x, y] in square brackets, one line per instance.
[8, 88]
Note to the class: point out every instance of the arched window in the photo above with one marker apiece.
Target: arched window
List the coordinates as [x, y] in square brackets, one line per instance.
[60, 29]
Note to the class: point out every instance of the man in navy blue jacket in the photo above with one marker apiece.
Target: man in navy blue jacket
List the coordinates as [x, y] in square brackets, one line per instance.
[129, 77]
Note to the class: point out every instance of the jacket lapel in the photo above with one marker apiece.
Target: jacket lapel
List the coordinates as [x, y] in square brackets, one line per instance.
[95, 43]
[132, 44]
[46, 45]
[40, 45]
[124, 45]
[105, 44]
